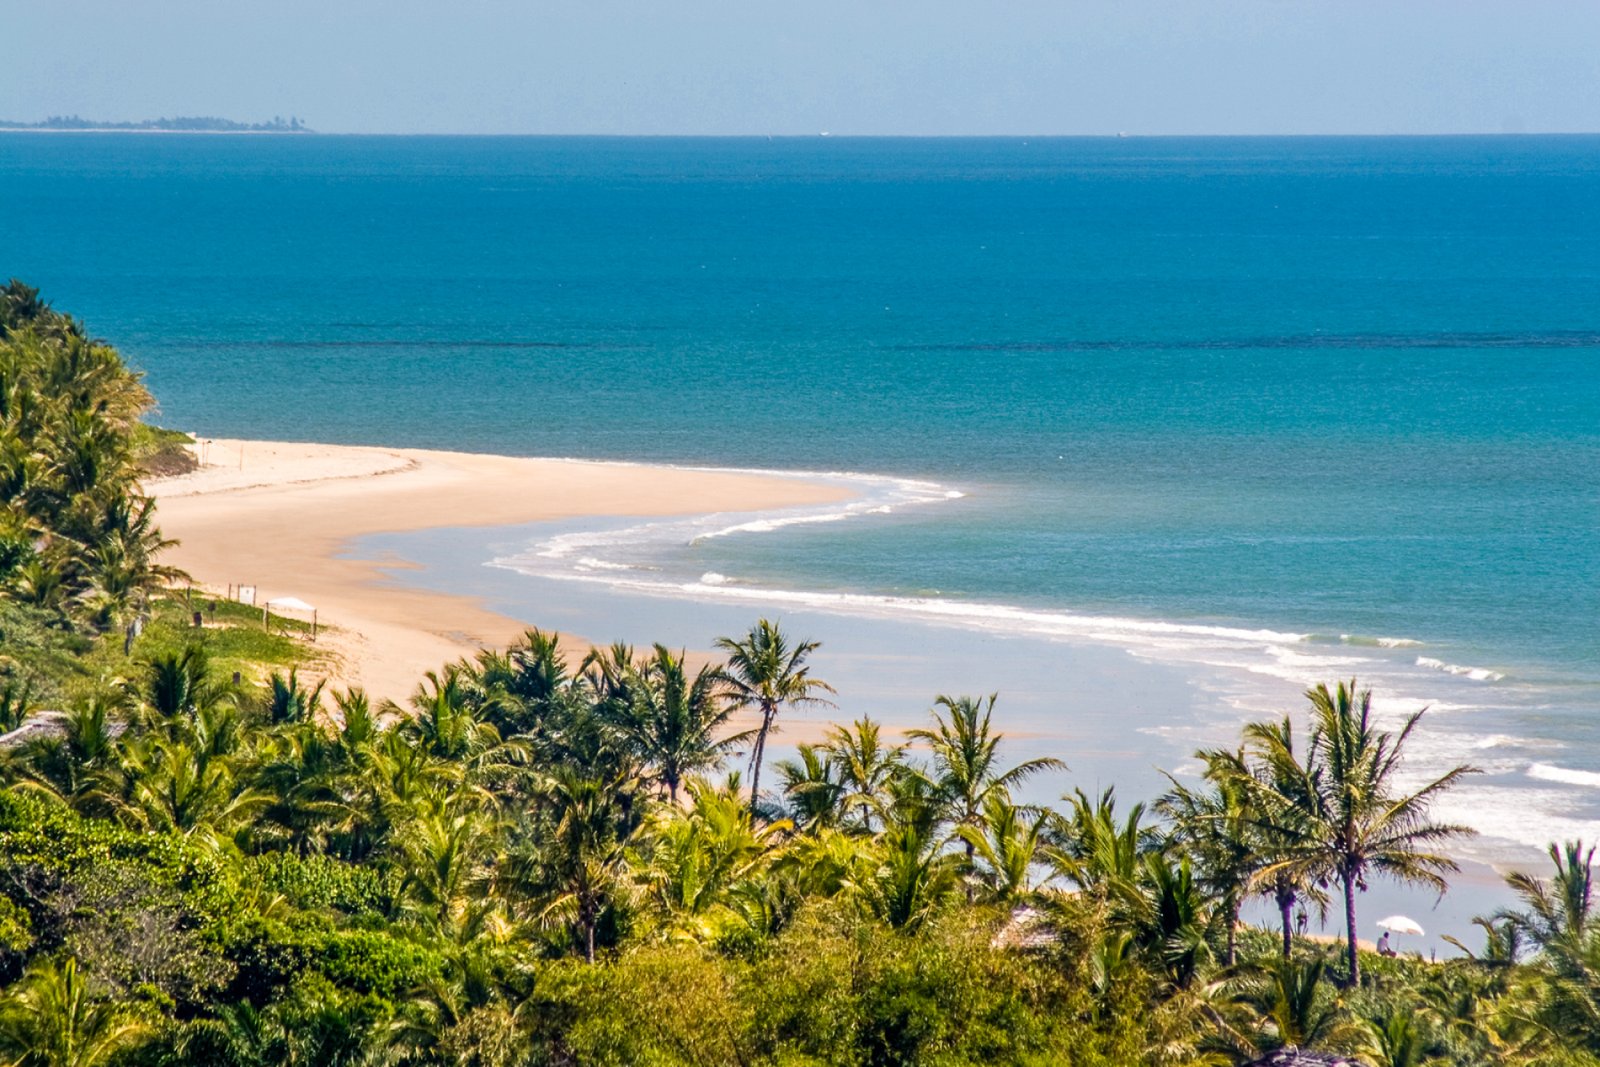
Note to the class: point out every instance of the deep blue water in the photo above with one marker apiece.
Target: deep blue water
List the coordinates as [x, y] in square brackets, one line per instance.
[1320, 386]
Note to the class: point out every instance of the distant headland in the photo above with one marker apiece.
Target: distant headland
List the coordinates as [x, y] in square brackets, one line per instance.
[180, 124]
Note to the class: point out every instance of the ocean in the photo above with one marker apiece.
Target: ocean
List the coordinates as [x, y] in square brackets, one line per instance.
[1245, 414]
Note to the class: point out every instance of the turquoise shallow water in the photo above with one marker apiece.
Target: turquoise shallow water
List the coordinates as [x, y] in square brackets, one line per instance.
[1272, 410]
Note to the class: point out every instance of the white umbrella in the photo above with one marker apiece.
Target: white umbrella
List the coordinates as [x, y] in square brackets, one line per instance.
[1401, 925]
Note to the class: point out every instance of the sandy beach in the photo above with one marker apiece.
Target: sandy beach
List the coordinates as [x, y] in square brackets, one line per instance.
[280, 516]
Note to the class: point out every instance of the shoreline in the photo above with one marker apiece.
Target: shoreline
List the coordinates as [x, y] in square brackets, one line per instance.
[386, 542]
[1117, 720]
[284, 516]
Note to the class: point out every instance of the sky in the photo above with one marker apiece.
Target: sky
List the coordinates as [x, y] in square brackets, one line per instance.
[907, 67]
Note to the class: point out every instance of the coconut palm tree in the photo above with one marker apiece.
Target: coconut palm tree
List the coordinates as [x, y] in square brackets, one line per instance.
[1284, 792]
[445, 723]
[766, 673]
[1007, 844]
[52, 1018]
[16, 703]
[578, 864]
[179, 684]
[70, 762]
[1216, 826]
[443, 855]
[289, 701]
[1352, 821]
[812, 787]
[966, 768]
[698, 855]
[1298, 1008]
[1560, 913]
[1560, 917]
[176, 787]
[672, 721]
[866, 766]
[911, 878]
[1096, 849]
[1247, 820]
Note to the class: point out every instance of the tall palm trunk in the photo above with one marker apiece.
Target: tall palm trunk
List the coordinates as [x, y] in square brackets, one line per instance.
[1231, 955]
[1285, 906]
[755, 758]
[1350, 928]
[971, 866]
[589, 916]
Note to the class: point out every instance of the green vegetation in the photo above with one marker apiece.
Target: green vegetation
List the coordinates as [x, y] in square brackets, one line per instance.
[498, 873]
[539, 861]
[78, 540]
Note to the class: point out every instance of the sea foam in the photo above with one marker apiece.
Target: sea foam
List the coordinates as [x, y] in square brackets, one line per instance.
[1477, 674]
[1549, 772]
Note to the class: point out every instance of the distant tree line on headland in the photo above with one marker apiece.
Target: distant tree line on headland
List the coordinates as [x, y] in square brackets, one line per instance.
[177, 124]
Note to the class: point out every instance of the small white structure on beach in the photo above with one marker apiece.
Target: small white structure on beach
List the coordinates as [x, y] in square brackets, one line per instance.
[282, 604]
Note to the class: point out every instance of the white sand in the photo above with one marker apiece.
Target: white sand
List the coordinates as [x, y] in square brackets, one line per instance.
[277, 516]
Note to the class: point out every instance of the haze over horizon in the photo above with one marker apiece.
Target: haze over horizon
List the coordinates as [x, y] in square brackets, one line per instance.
[719, 68]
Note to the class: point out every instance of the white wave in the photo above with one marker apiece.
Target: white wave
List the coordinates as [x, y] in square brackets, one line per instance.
[1527, 817]
[1477, 674]
[974, 613]
[769, 525]
[597, 549]
[1549, 772]
[904, 492]
[1379, 642]
[589, 563]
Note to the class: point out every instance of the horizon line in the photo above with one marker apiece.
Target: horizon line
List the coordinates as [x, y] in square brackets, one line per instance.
[819, 135]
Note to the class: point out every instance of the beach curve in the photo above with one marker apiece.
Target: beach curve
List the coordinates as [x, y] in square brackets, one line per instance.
[282, 516]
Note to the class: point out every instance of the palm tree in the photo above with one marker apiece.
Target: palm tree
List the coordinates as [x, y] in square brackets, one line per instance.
[766, 674]
[579, 862]
[16, 703]
[1297, 1007]
[1100, 853]
[911, 880]
[1215, 827]
[1353, 822]
[1008, 844]
[179, 684]
[52, 1018]
[811, 784]
[69, 762]
[1561, 913]
[1284, 798]
[1252, 816]
[699, 855]
[442, 855]
[966, 771]
[176, 787]
[1560, 917]
[445, 723]
[289, 701]
[866, 766]
[672, 721]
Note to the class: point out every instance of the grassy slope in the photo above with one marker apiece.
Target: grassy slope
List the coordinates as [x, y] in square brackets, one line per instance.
[62, 664]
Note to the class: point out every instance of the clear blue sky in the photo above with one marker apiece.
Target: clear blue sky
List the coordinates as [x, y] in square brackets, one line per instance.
[847, 66]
